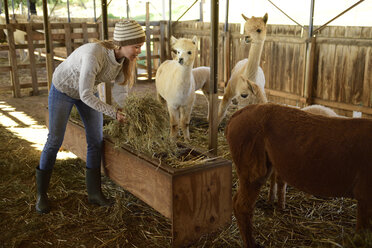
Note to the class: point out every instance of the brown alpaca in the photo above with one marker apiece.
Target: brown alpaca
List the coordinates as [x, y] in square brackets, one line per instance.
[323, 156]
[277, 185]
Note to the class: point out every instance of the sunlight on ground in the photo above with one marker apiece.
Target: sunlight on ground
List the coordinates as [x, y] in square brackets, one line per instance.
[27, 128]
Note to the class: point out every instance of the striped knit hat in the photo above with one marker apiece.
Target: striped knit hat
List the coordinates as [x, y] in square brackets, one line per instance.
[128, 32]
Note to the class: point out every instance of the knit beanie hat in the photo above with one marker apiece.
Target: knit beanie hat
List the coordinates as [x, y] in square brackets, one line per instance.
[128, 32]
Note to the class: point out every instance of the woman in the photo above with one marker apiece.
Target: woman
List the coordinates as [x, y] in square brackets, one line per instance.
[74, 82]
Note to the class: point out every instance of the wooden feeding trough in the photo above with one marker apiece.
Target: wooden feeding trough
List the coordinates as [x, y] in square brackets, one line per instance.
[196, 199]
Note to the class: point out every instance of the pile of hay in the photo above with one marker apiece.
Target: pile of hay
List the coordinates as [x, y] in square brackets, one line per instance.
[146, 129]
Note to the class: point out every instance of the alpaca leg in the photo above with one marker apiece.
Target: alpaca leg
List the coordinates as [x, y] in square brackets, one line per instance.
[185, 115]
[225, 103]
[173, 119]
[362, 193]
[281, 191]
[161, 99]
[243, 205]
[206, 94]
[364, 215]
[273, 188]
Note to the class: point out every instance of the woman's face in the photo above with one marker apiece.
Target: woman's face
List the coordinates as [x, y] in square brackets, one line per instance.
[130, 51]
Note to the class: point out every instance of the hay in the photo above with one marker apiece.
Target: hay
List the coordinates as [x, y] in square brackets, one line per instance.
[306, 222]
[146, 129]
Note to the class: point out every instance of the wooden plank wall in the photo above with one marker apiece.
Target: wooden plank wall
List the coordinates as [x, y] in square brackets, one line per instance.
[342, 70]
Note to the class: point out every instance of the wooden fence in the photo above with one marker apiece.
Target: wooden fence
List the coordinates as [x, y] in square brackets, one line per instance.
[65, 37]
[340, 72]
[341, 69]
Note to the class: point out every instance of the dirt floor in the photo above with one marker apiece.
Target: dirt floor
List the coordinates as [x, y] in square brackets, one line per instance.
[306, 222]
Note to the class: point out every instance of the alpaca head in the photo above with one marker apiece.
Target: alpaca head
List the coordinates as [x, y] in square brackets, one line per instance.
[246, 87]
[249, 92]
[185, 50]
[255, 28]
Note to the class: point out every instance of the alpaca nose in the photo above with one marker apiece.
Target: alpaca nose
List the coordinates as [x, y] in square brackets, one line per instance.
[247, 39]
[180, 60]
[244, 95]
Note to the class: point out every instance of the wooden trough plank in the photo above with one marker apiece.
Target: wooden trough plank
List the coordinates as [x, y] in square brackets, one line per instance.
[201, 203]
[139, 177]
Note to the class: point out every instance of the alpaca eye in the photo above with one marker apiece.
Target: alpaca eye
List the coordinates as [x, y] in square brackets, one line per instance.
[178, 52]
[189, 52]
[258, 30]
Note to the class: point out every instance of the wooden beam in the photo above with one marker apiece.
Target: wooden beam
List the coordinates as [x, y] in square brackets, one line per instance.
[67, 38]
[104, 19]
[48, 41]
[13, 62]
[148, 42]
[35, 89]
[213, 97]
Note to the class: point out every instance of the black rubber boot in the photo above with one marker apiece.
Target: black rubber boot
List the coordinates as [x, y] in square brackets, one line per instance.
[42, 182]
[95, 195]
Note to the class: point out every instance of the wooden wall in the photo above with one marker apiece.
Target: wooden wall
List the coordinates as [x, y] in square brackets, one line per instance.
[341, 71]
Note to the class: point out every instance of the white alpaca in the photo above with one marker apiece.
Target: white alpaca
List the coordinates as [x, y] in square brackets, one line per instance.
[202, 78]
[320, 110]
[255, 29]
[175, 84]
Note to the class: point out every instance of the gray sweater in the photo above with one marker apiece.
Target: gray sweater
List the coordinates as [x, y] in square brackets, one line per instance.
[86, 67]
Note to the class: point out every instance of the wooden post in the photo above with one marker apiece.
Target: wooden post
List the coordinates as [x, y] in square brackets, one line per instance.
[12, 54]
[170, 30]
[68, 42]
[49, 56]
[227, 57]
[13, 62]
[162, 42]
[85, 32]
[104, 19]
[309, 62]
[148, 43]
[226, 67]
[31, 50]
[108, 93]
[309, 71]
[213, 97]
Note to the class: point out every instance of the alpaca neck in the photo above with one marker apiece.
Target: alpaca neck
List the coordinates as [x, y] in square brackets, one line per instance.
[184, 80]
[186, 71]
[254, 59]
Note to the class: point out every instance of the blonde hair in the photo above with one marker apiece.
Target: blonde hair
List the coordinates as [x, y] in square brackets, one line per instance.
[128, 65]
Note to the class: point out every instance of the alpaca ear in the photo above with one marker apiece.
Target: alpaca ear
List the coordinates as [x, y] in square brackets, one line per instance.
[245, 18]
[173, 40]
[244, 78]
[265, 18]
[194, 40]
[252, 86]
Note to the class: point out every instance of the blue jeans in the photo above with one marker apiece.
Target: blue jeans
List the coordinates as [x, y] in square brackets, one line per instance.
[60, 106]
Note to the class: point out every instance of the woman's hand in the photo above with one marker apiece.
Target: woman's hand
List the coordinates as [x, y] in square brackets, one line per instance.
[120, 116]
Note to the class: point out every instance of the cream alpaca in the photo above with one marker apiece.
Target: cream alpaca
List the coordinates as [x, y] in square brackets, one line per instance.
[255, 29]
[175, 84]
